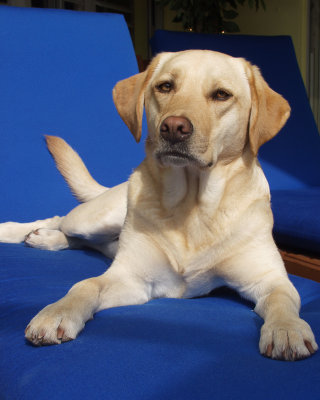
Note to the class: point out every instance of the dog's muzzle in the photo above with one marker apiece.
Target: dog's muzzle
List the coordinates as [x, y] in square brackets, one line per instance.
[174, 146]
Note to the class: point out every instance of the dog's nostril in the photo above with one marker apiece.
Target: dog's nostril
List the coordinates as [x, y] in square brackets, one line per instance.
[176, 129]
[164, 127]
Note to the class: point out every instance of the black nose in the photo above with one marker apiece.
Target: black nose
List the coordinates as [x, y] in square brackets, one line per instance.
[176, 129]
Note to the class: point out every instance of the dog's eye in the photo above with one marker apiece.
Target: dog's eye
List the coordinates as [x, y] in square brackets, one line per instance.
[165, 87]
[221, 95]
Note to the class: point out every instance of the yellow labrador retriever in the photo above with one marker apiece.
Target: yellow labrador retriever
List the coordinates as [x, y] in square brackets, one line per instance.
[194, 215]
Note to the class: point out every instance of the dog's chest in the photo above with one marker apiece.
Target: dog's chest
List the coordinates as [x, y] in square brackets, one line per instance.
[185, 216]
[191, 235]
[194, 249]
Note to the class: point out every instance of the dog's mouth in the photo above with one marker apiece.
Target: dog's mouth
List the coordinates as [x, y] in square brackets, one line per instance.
[174, 158]
[179, 159]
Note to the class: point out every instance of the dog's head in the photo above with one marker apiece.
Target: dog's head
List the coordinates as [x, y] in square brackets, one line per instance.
[201, 107]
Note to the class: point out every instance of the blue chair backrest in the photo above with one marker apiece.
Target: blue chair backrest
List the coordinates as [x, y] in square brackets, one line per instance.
[57, 72]
[292, 159]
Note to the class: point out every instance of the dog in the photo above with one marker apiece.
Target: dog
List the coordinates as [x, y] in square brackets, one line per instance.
[194, 215]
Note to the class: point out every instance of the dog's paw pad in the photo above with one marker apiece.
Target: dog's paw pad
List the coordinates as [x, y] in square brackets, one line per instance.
[287, 340]
[46, 239]
[53, 325]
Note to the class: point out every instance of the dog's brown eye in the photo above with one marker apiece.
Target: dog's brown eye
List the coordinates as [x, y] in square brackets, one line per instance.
[165, 87]
[221, 95]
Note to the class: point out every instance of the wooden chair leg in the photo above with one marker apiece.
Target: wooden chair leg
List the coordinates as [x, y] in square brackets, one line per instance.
[302, 265]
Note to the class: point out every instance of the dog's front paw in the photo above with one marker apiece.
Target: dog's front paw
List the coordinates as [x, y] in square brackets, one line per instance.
[290, 339]
[54, 325]
[46, 239]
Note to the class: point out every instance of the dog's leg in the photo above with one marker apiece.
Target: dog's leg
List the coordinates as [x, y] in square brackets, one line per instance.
[15, 232]
[63, 320]
[284, 334]
[140, 272]
[98, 222]
[54, 240]
[108, 247]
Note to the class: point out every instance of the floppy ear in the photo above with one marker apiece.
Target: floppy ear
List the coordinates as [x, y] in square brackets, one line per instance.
[269, 110]
[128, 97]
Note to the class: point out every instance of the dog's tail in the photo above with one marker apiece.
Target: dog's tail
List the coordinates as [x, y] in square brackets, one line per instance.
[73, 170]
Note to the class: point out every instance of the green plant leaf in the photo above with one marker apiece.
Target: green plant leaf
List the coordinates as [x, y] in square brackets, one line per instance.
[230, 14]
[232, 3]
[263, 4]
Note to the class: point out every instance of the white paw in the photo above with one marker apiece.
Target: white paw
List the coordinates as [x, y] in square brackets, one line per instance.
[53, 325]
[290, 339]
[47, 239]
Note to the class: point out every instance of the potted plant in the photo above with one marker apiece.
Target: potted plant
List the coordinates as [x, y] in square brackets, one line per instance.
[209, 16]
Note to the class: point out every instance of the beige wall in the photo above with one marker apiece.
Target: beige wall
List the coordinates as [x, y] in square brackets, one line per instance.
[282, 17]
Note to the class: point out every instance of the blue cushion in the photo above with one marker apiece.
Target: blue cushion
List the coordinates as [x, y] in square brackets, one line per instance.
[205, 348]
[291, 159]
[57, 73]
[297, 218]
